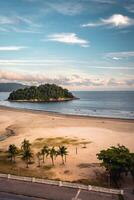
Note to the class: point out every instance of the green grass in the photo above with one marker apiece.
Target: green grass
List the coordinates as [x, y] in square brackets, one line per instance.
[57, 141]
[13, 168]
[48, 167]
[8, 168]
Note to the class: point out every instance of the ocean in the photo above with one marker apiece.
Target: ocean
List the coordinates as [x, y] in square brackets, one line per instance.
[110, 104]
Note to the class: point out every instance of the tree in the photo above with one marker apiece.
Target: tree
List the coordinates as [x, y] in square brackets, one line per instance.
[12, 152]
[45, 92]
[45, 151]
[26, 151]
[52, 153]
[63, 153]
[25, 145]
[117, 160]
[132, 168]
[27, 155]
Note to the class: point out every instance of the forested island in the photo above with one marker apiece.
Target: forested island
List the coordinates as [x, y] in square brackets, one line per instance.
[41, 93]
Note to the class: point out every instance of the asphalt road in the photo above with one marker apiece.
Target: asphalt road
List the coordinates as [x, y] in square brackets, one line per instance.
[8, 196]
[19, 190]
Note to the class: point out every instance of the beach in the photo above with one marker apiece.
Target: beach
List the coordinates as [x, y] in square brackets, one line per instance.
[96, 133]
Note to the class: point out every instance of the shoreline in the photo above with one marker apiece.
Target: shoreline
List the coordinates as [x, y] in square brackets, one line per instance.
[44, 101]
[56, 114]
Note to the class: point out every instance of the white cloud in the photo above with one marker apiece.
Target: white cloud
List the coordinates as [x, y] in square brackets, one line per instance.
[41, 62]
[64, 63]
[18, 30]
[67, 8]
[27, 20]
[130, 8]
[73, 80]
[7, 20]
[12, 23]
[68, 38]
[116, 58]
[16, 19]
[105, 1]
[11, 48]
[92, 24]
[76, 7]
[116, 20]
[120, 55]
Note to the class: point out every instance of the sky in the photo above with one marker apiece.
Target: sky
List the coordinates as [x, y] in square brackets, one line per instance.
[78, 44]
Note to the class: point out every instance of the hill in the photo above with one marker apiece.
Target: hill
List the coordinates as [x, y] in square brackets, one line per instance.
[8, 87]
[42, 93]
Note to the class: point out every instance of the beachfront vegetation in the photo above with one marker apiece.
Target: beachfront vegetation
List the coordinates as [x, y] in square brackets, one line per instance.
[63, 153]
[25, 145]
[47, 92]
[45, 152]
[12, 152]
[117, 161]
[27, 154]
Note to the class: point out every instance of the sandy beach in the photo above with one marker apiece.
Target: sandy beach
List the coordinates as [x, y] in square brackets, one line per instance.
[99, 133]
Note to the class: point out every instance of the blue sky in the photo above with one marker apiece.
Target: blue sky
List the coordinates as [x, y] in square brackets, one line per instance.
[78, 44]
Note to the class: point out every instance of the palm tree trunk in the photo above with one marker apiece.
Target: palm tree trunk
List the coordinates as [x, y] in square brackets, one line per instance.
[27, 164]
[52, 161]
[43, 158]
[62, 160]
[39, 162]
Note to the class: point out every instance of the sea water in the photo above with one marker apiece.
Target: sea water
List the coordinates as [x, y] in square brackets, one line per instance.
[113, 104]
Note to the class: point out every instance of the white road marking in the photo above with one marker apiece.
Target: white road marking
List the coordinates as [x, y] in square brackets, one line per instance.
[77, 194]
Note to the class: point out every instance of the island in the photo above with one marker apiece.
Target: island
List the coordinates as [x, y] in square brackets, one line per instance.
[41, 93]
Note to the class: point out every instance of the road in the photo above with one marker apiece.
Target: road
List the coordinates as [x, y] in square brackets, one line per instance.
[8, 196]
[19, 190]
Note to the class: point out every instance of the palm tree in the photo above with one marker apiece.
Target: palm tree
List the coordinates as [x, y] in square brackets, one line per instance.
[39, 158]
[25, 145]
[27, 155]
[12, 151]
[52, 153]
[45, 151]
[63, 152]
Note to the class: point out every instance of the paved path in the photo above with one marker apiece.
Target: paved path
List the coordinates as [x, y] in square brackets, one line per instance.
[19, 190]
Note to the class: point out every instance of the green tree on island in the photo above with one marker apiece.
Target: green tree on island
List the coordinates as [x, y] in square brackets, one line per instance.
[12, 152]
[46, 92]
[117, 160]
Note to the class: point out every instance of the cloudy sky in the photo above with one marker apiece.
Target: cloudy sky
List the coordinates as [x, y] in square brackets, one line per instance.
[78, 44]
